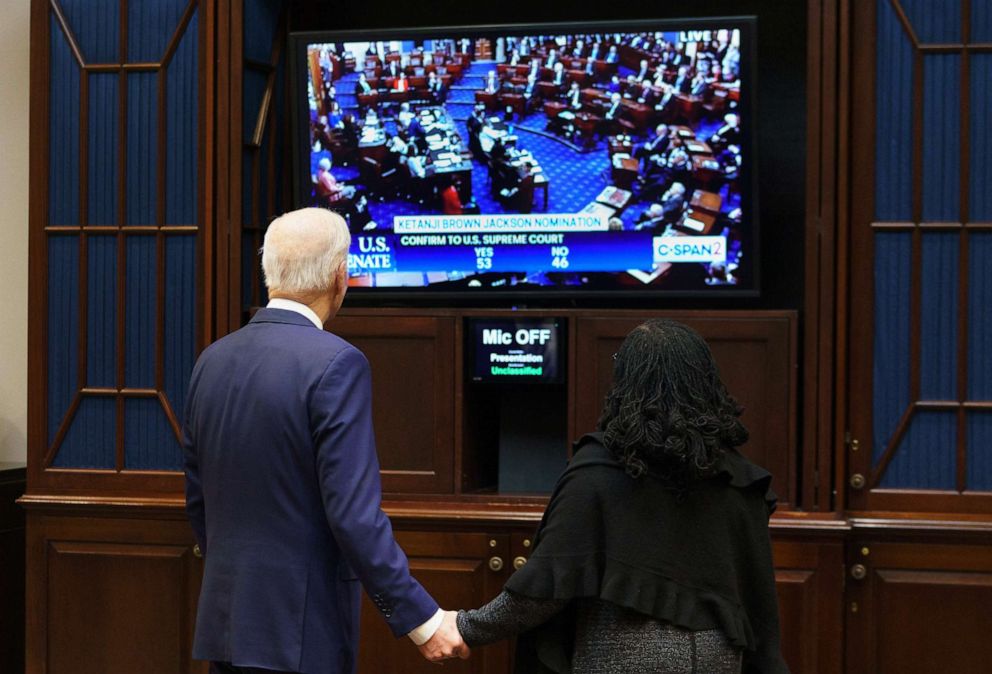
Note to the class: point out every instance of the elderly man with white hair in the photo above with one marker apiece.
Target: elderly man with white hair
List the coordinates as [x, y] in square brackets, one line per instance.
[282, 480]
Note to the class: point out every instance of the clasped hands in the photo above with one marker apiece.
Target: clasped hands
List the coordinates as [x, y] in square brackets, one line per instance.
[446, 643]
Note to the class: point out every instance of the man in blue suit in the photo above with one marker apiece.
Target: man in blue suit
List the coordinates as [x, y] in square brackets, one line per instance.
[282, 479]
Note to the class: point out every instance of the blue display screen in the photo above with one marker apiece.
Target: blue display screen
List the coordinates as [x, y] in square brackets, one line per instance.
[596, 157]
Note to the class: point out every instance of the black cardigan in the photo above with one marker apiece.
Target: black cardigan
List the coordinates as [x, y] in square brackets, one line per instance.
[699, 558]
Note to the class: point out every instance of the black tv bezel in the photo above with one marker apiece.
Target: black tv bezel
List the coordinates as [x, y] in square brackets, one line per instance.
[530, 295]
[560, 326]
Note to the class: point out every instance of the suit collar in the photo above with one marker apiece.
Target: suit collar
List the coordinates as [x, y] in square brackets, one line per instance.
[267, 315]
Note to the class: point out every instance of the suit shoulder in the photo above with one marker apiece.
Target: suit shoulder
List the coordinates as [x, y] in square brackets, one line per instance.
[340, 353]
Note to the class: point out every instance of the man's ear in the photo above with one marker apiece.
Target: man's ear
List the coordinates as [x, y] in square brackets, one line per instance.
[341, 277]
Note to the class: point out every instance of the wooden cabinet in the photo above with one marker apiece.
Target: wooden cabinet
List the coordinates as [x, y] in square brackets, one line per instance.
[111, 594]
[113, 589]
[454, 565]
[809, 579]
[460, 570]
[756, 355]
[438, 435]
[412, 360]
[920, 606]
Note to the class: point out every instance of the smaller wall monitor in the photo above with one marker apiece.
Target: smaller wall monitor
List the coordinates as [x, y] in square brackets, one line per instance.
[515, 350]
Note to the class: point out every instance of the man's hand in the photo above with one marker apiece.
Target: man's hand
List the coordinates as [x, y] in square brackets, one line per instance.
[446, 642]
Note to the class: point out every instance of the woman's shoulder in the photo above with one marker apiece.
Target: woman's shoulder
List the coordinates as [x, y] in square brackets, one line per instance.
[742, 474]
[591, 457]
[592, 466]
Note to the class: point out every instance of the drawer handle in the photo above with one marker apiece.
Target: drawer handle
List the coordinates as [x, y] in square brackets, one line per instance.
[518, 563]
[496, 563]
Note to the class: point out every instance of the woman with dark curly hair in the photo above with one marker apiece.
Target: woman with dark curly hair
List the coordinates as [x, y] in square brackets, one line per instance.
[653, 554]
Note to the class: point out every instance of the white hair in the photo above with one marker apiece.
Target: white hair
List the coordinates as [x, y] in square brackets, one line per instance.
[303, 251]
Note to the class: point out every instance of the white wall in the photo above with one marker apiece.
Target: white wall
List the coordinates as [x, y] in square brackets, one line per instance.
[14, 74]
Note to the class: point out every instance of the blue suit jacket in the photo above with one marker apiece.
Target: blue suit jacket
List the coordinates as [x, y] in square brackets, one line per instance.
[283, 493]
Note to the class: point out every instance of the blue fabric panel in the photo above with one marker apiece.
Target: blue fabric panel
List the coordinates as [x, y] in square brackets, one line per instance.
[63, 128]
[140, 311]
[261, 23]
[980, 126]
[149, 441]
[150, 25]
[101, 316]
[942, 138]
[97, 27]
[927, 456]
[892, 309]
[939, 313]
[63, 327]
[92, 437]
[934, 20]
[182, 108]
[142, 148]
[980, 451]
[979, 322]
[981, 21]
[180, 319]
[894, 119]
[103, 142]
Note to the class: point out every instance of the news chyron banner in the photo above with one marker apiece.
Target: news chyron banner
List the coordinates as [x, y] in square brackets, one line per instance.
[520, 350]
[523, 242]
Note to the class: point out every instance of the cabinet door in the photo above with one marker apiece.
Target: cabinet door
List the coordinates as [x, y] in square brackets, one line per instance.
[756, 355]
[111, 595]
[919, 608]
[412, 397]
[458, 569]
[809, 580]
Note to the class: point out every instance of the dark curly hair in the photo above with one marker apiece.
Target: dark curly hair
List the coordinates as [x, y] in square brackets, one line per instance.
[668, 411]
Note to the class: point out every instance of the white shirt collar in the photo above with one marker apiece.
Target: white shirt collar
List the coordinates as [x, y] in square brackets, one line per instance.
[290, 305]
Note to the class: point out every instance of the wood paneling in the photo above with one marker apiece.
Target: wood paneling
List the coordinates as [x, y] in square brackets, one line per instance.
[12, 482]
[756, 354]
[809, 578]
[455, 568]
[921, 608]
[412, 362]
[93, 591]
[109, 595]
[121, 590]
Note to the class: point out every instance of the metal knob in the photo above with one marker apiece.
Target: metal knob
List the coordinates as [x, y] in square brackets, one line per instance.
[518, 562]
[496, 563]
[858, 572]
[857, 481]
[197, 552]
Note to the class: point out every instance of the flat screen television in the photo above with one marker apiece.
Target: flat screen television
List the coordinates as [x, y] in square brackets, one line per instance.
[606, 159]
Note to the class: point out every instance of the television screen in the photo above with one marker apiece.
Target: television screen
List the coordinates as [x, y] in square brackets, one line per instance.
[515, 350]
[607, 158]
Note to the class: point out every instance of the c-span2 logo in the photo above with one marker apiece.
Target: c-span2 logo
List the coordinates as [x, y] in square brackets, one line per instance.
[690, 249]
